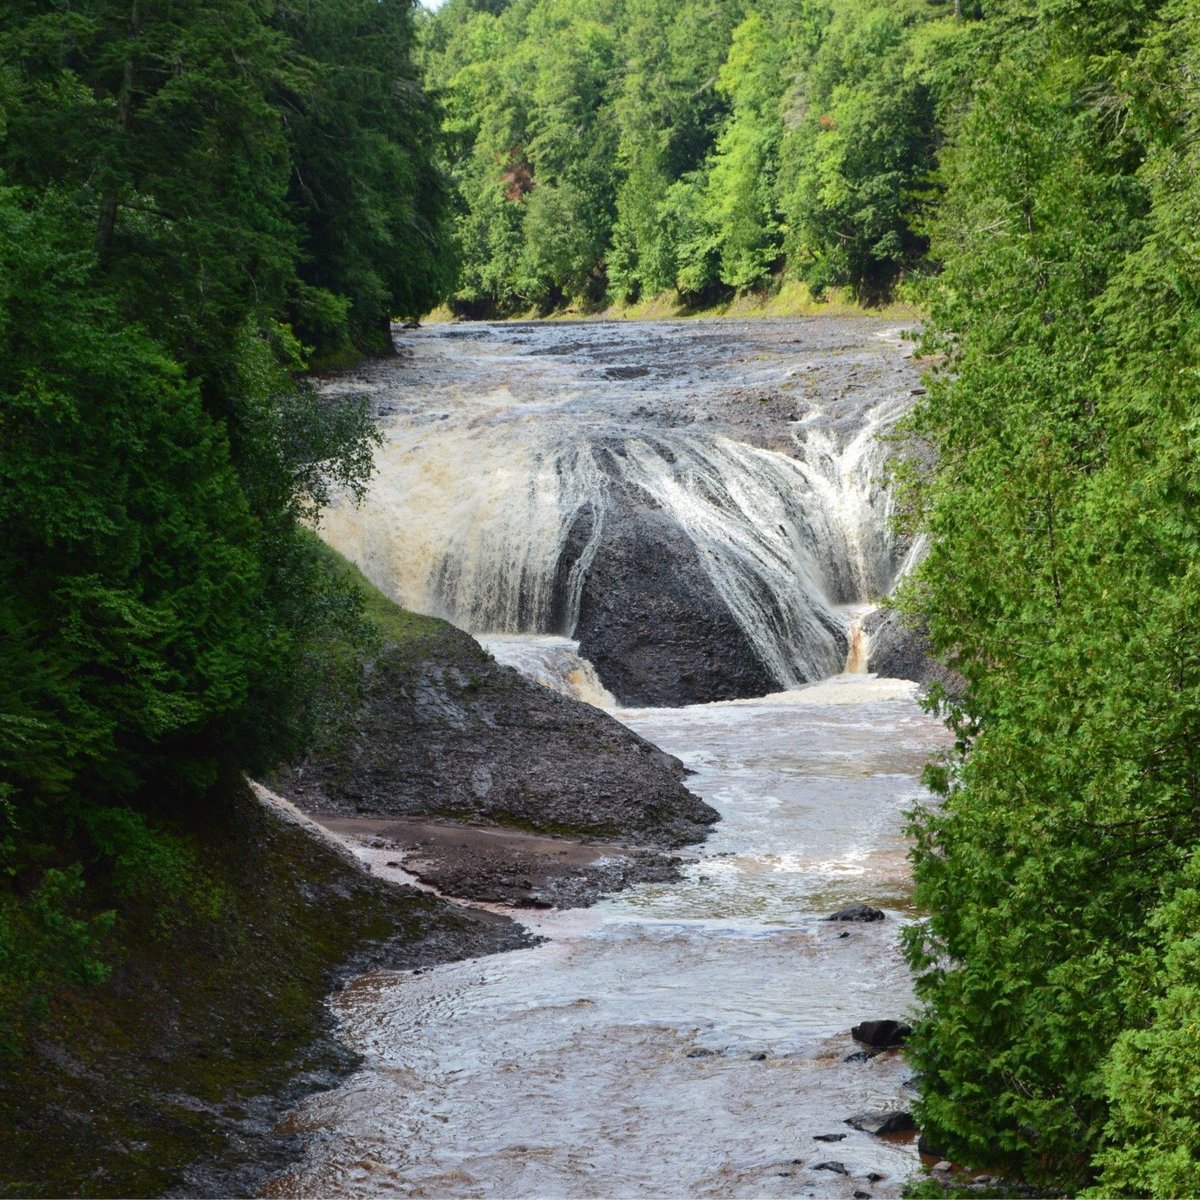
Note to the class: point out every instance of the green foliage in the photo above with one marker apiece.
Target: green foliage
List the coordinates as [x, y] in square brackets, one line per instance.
[1062, 584]
[46, 944]
[650, 145]
[860, 150]
[200, 196]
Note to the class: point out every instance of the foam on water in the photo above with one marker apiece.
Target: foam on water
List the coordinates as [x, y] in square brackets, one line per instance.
[676, 1040]
[496, 457]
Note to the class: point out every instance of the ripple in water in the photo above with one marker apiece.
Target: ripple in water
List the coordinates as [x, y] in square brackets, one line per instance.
[683, 1040]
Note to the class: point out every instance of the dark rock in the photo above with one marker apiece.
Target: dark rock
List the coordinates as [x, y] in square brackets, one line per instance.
[836, 1167]
[928, 1148]
[862, 1055]
[858, 912]
[443, 730]
[880, 1123]
[885, 1035]
[650, 618]
[829, 1137]
[901, 651]
[862, 1196]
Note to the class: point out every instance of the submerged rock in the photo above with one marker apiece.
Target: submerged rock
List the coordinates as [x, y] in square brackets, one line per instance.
[886, 1035]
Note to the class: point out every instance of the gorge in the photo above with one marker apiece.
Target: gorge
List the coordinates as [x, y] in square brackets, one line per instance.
[683, 525]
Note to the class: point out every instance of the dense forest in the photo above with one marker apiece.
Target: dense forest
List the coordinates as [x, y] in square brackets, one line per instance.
[200, 202]
[617, 149]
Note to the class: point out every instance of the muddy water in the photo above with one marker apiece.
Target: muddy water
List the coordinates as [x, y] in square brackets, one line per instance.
[681, 1040]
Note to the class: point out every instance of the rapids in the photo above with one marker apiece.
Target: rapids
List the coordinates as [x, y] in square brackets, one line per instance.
[676, 1040]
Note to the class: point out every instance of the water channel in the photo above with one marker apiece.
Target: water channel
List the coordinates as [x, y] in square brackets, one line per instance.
[687, 1039]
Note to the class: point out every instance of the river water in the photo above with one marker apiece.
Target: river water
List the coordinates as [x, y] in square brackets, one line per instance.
[676, 1040]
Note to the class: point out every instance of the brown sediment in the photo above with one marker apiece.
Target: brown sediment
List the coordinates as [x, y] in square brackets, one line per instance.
[503, 865]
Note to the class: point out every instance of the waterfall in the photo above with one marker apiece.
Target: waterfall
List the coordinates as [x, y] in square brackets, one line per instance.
[490, 504]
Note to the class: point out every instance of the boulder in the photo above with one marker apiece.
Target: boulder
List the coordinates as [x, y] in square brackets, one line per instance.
[899, 650]
[884, 1035]
[650, 618]
[881, 1123]
[858, 912]
[442, 730]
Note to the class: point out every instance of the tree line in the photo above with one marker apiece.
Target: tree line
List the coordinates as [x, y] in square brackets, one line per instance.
[199, 201]
[622, 148]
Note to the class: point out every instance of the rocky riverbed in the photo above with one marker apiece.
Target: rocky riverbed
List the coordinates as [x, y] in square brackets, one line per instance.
[693, 502]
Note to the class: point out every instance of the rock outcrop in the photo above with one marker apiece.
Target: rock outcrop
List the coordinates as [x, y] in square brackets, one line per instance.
[443, 730]
[651, 620]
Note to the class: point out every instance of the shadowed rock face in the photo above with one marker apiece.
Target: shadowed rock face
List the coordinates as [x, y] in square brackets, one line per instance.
[651, 621]
[444, 730]
[900, 651]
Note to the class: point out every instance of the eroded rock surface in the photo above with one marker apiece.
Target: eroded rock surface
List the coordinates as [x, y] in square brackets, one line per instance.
[443, 730]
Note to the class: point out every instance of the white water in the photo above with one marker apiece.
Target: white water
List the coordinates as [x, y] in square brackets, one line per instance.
[554, 662]
[677, 1040]
[498, 445]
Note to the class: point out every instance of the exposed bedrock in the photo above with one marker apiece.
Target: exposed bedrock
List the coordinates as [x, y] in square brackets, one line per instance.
[444, 730]
[901, 651]
[652, 624]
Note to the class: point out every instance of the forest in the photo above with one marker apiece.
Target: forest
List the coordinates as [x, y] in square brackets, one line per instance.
[198, 203]
[201, 203]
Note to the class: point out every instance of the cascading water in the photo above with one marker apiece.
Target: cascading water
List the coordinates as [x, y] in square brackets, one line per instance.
[504, 460]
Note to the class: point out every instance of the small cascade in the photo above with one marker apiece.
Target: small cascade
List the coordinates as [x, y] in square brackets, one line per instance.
[859, 650]
[554, 662]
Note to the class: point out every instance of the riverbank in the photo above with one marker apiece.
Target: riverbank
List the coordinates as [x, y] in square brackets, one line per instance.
[170, 1076]
[792, 298]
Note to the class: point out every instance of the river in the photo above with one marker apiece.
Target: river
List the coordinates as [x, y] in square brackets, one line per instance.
[687, 1039]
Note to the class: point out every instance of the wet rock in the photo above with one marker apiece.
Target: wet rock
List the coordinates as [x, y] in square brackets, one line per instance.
[836, 1167]
[943, 1167]
[901, 651]
[443, 730]
[651, 620]
[885, 1035]
[862, 1196]
[929, 1148]
[862, 1055]
[829, 1137]
[881, 1123]
[858, 912]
